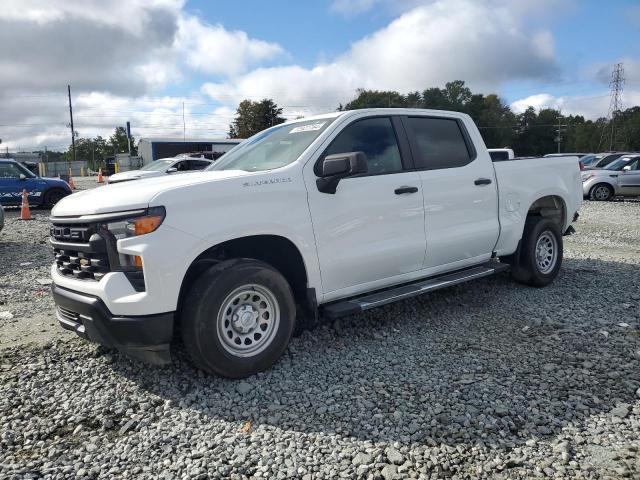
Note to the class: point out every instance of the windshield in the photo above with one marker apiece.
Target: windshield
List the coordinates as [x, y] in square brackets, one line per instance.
[273, 148]
[158, 165]
[618, 164]
[25, 171]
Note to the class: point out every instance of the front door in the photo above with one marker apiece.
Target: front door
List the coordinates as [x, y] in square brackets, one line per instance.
[460, 192]
[629, 180]
[11, 184]
[372, 229]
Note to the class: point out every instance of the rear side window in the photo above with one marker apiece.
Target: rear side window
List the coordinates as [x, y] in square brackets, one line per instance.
[376, 138]
[440, 143]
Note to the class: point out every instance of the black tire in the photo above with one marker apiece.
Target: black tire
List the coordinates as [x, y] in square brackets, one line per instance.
[596, 192]
[204, 324]
[527, 268]
[53, 196]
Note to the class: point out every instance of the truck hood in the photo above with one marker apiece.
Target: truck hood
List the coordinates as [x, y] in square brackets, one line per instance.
[133, 195]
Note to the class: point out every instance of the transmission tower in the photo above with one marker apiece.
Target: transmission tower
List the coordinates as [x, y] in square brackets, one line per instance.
[616, 85]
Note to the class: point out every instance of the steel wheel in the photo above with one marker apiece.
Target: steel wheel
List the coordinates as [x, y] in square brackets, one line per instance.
[546, 252]
[248, 320]
[602, 193]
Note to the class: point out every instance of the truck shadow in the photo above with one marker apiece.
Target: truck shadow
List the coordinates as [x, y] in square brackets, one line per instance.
[487, 363]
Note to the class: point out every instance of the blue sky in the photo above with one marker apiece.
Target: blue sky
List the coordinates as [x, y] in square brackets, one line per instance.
[308, 56]
[587, 35]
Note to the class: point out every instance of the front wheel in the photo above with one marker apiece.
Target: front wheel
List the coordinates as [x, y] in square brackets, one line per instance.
[601, 192]
[52, 197]
[238, 318]
[540, 253]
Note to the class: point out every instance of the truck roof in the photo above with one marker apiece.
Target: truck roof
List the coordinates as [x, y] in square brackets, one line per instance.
[382, 111]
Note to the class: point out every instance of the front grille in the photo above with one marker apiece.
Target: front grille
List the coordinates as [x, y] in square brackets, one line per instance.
[80, 252]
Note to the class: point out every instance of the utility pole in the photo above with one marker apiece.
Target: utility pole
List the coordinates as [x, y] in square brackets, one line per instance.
[184, 126]
[559, 130]
[73, 133]
[616, 86]
[129, 137]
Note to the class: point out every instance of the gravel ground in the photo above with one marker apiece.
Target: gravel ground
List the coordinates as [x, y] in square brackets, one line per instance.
[485, 380]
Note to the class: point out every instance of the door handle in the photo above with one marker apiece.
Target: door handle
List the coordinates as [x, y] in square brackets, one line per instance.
[401, 190]
[482, 181]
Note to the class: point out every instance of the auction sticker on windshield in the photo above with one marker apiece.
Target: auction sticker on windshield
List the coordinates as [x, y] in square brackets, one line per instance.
[308, 128]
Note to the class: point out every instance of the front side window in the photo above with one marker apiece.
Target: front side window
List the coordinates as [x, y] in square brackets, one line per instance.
[199, 164]
[440, 143]
[376, 138]
[620, 164]
[10, 170]
[182, 166]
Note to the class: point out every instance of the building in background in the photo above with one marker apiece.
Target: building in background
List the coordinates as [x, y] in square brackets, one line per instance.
[151, 149]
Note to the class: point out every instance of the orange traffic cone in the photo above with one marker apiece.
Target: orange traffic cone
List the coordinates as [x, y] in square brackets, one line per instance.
[72, 184]
[25, 214]
[100, 179]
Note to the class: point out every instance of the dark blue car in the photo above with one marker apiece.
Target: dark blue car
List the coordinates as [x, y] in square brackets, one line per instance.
[14, 178]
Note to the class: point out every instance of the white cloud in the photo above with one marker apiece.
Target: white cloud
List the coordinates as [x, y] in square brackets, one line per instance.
[539, 101]
[118, 53]
[213, 49]
[482, 43]
[130, 15]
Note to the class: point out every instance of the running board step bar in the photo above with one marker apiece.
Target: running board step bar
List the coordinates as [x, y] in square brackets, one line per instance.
[366, 302]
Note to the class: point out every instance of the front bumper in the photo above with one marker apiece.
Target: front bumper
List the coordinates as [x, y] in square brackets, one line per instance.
[146, 337]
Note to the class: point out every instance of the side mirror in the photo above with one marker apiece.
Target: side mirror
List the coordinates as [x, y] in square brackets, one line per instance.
[339, 166]
[172, 170]
[626, 168]
[22, 177]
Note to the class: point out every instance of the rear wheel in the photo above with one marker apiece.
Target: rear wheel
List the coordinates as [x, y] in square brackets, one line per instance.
[238, 318]
[601, 192]
[540, 255]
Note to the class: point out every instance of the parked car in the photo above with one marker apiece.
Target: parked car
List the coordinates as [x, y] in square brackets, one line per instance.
[607, 158]
[579, 155]
[14, 178]
[498, 154]
[164, 166]
[620, 178]
[331, 215]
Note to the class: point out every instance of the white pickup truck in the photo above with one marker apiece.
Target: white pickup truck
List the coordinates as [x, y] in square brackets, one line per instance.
[329, 215]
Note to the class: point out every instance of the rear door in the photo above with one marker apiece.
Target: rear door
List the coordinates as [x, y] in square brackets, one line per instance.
[459, 189]
[629, 180]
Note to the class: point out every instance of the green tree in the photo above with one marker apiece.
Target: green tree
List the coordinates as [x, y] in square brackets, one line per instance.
[119, 144]
[253, 117]
[376, 99]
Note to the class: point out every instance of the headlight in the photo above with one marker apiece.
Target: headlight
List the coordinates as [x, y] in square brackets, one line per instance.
[134, 227]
